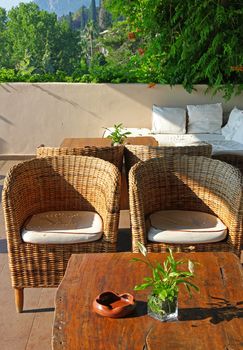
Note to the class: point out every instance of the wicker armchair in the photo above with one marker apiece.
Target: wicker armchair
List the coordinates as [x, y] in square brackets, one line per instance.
[186, 183]
[111, 154]
[133, 154]
[234, 158]
[65, 183]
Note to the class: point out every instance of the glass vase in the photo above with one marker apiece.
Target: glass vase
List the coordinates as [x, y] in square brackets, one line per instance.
[166, 310]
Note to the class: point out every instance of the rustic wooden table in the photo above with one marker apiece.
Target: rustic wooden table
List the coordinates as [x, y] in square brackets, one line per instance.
[104, 142]
[88, 141]
[211, 319]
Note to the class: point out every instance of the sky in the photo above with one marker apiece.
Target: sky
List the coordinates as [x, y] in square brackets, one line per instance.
[7, 4]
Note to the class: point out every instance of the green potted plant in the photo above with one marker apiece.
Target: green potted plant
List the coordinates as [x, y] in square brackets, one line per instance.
[118, 136]
[165, 281]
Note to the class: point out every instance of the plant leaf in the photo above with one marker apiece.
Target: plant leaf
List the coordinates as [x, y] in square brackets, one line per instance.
[142, 286]
[142, 248]
[191, 266]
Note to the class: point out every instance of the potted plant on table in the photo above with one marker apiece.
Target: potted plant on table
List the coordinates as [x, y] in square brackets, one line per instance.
[165, 281]
[118, 136]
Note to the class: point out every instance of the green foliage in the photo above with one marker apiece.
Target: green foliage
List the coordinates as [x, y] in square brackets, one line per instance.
[104, 18]
[167, 277]
[92, 11]
[152, 41]
[189, 42]
[36, 42]
[118, 136]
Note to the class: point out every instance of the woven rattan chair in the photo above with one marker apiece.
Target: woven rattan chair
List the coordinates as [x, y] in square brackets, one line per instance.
[134, 154]
[186, 183]
[65, 183]
[234, 158]
[113, 155]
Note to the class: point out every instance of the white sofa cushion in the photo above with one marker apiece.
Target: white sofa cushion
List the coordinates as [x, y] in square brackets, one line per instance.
[168, 120]
[63, 227]
[233, 130]
[189, 227]
[206, 118]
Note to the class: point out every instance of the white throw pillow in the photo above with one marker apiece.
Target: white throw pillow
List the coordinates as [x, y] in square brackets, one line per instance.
[168, 120]
[205, 119]
[233, 130]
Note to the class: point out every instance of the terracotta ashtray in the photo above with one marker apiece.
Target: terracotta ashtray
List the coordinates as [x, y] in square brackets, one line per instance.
[111, 304]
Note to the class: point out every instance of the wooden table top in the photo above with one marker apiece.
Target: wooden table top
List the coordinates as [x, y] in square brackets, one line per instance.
[88, 141]
[211, 319]
[104, 142]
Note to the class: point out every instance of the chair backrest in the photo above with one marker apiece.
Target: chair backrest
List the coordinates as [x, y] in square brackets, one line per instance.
[134, 154]
[111, 154]
[63, 183]
[187, 183]
[234, 158]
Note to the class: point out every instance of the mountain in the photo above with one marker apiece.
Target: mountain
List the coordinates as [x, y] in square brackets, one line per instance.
[63, 7]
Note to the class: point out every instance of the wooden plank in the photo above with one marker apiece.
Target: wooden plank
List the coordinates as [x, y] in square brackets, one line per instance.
[82, 142]
[206, 321]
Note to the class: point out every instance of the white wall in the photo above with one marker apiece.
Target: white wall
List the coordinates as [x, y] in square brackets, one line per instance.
[32, 114]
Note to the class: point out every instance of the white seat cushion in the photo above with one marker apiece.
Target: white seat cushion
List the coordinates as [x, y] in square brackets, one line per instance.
[63, 227]
[189, 227]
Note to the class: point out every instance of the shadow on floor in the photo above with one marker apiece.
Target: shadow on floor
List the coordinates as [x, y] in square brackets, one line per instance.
[46, 309]
[3, 246]
[124, 241]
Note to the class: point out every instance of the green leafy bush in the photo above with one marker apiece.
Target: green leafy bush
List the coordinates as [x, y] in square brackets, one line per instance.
[151, 41]
[188, 42]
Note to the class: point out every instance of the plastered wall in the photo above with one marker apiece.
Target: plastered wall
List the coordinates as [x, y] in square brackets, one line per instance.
[34, 114]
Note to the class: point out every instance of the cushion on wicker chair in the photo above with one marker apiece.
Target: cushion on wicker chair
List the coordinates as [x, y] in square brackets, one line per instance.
[180, 226]
[63, 227]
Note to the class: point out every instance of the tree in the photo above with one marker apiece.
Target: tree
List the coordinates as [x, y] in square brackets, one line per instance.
[4, 47]
[105, 19]
[83, 17]
[50, 44]
[115, 50]
[67, 49]
[189, 42]
[88, 38]
[92, 11]
[28, 29]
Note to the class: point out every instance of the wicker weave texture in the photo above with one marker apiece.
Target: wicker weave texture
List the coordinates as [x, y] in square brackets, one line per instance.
[113, 155]
[234, 159]
[57, 183]
[186, 183]
[134, 154]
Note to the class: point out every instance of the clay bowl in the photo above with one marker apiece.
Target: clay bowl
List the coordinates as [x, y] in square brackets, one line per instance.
[111, 304]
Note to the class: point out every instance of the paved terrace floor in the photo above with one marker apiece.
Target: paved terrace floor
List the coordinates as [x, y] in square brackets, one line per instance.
[32, 329]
